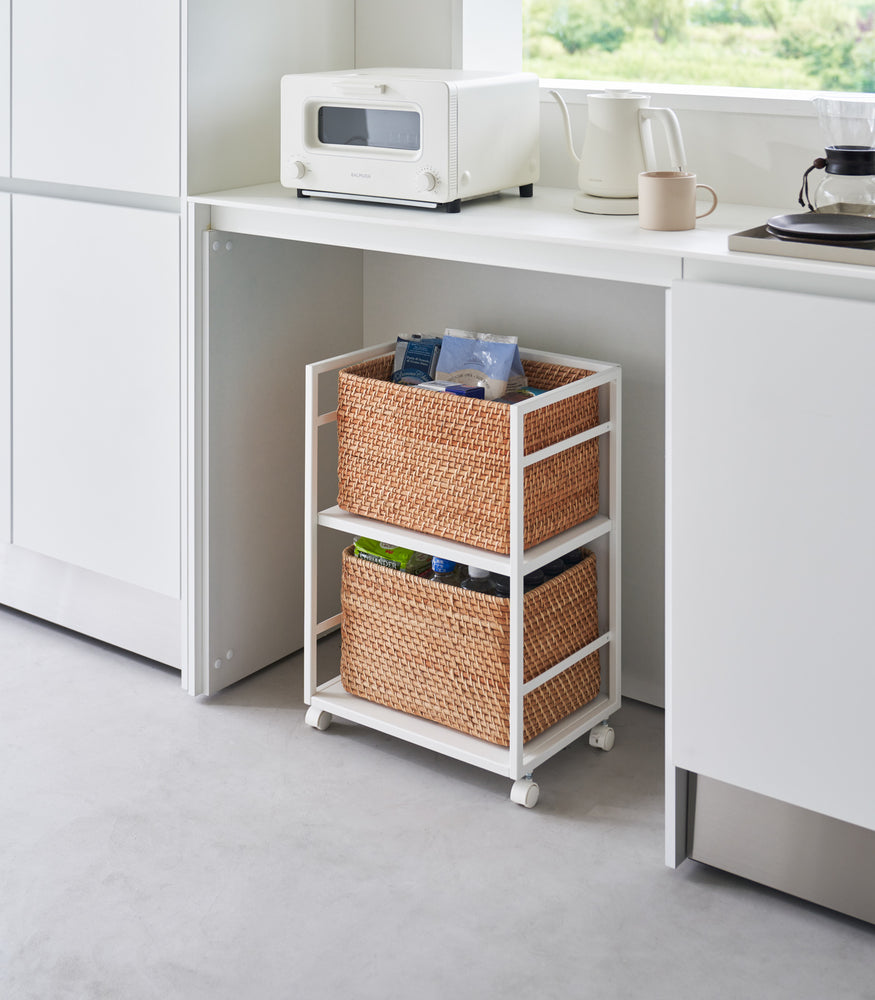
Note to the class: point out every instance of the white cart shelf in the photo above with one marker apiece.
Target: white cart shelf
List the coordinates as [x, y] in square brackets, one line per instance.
[519, 760]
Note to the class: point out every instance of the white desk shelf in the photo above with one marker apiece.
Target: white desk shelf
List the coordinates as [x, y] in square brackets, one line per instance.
[541, 233]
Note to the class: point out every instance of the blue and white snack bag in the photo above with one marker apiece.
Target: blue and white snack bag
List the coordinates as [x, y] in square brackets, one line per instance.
[481, 359]
[415, 359]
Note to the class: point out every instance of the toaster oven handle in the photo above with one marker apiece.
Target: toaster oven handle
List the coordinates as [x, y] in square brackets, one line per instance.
[363, 89]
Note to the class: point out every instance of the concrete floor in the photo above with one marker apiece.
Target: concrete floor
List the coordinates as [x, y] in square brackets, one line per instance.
[155, 845]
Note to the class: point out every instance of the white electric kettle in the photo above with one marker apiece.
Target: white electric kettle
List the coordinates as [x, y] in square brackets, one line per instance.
[618, 146]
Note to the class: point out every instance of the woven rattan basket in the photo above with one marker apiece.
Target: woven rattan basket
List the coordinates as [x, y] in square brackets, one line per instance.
[440, 463]
[443, 653]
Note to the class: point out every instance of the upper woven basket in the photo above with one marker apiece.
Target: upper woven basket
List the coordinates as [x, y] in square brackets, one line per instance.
[440, 463]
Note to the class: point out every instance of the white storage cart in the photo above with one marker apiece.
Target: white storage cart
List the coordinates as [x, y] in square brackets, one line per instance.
[600, 532]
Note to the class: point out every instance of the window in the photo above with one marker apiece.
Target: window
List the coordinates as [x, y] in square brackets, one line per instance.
[773, 44]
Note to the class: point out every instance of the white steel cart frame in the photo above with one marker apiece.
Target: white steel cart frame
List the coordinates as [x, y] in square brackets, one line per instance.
[519, 760]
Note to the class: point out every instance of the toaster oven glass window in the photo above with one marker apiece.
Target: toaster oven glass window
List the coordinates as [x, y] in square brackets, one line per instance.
[380, 127]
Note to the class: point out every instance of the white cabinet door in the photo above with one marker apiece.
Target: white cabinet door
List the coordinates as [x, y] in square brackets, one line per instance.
[96, 93]
[5, 54]
[5, 376]
[96, 389]
[771, 543]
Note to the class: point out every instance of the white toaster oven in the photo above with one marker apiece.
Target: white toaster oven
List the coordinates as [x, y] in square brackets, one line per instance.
[420, 137]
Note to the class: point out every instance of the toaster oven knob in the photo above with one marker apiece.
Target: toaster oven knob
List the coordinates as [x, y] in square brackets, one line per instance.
[298, 169]
[426, 181]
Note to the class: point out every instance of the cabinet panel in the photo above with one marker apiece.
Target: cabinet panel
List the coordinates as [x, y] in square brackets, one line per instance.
[5, 53]
[96, 93]
[274, 306]
[5, 375]
[96, 404]
[772, 543]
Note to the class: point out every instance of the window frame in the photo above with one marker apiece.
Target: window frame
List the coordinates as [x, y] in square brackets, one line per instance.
[689, 97]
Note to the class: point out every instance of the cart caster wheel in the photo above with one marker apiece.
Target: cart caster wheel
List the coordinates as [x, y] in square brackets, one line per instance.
[316, 718]
[601, 736]
[524, 792]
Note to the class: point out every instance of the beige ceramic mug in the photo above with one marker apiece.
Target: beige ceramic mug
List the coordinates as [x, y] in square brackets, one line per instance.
[667, 200]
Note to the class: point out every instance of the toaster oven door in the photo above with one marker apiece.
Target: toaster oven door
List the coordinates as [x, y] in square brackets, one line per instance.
[390, 146]
[375, 128]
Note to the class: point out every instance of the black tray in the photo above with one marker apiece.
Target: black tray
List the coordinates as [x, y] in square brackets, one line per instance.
[823, 227]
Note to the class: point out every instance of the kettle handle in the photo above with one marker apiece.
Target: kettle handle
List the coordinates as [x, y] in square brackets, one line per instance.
[566, 120]
[672, 132]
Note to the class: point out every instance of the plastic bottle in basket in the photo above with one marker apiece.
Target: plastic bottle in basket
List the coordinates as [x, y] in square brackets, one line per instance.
[479, 580]
[530, 581]
[445, 571]
[554, 568]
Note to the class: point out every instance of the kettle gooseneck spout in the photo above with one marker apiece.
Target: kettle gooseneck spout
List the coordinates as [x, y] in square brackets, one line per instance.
[563, 107]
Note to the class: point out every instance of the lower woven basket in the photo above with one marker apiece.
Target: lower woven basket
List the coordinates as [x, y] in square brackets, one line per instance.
[443, 653]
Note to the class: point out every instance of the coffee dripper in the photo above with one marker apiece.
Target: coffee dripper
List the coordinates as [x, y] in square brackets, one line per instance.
[848, 187]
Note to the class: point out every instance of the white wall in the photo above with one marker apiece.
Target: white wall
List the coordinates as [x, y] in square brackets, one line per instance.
[452, 34]
[403, 33]
[233, 80]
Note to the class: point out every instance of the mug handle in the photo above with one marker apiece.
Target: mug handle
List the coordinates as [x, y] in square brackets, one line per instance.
[713, 203]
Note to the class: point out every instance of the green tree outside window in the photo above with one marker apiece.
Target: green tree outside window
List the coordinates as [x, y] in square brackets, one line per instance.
[781, 44]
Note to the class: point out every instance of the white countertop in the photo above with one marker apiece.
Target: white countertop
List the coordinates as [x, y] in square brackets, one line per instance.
[542, 233]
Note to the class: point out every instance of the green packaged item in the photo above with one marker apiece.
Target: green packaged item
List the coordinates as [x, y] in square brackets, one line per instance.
[393, 556]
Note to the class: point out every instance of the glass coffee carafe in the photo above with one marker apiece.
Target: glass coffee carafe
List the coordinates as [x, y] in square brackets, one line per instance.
[848, 187]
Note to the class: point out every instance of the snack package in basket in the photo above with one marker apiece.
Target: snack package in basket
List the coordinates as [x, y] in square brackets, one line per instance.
[472, 391]
[481, 359]
[415, 359]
